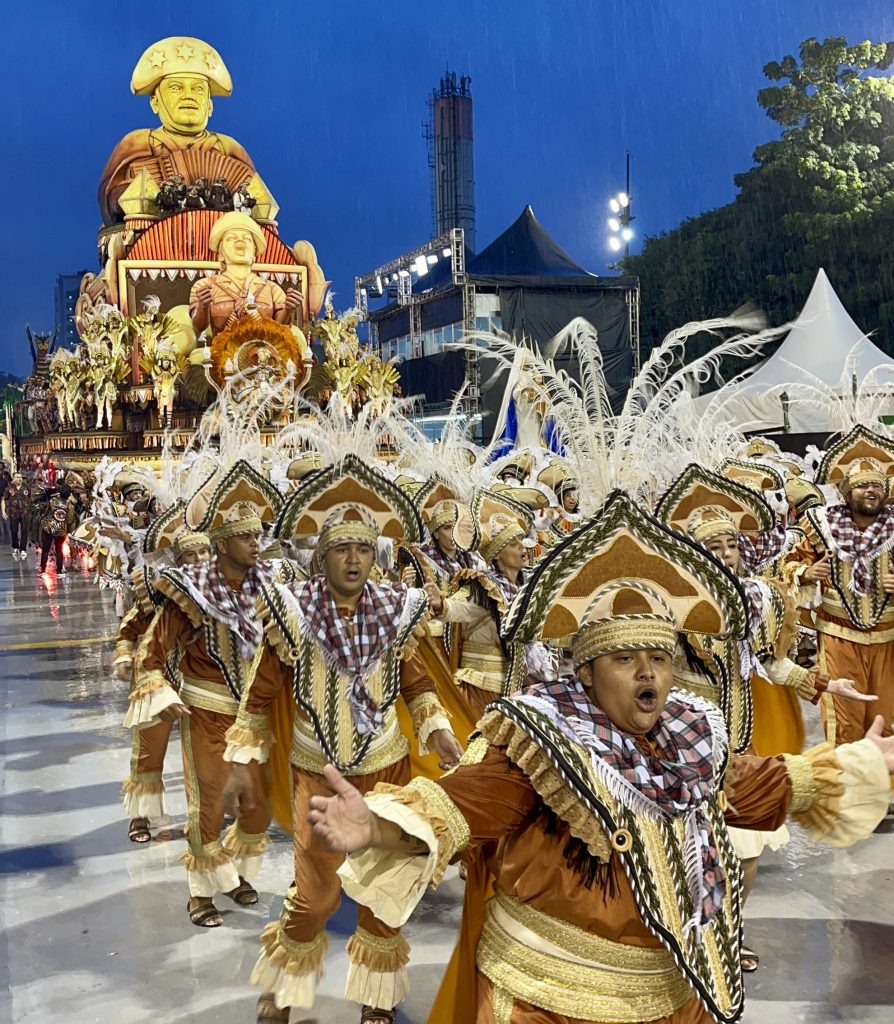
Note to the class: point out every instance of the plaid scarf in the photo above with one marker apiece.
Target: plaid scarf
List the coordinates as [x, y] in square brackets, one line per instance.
[691, 736]
[505, 584]
[859, 546]
[354, 646]
[765, 547]
[447, 565]
[213, 593]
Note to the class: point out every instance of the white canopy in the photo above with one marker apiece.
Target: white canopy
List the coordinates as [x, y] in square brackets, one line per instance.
[820, 341]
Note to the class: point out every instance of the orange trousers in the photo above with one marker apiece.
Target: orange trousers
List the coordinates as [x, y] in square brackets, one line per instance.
[871, 667]
[315, 894]
[205, 775]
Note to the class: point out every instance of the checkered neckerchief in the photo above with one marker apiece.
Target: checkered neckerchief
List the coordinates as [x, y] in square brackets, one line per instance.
[447, 565]
[354, 645]
[768, 545]
[505, 584]
[234, 608]
[859, 546]
[675, 784]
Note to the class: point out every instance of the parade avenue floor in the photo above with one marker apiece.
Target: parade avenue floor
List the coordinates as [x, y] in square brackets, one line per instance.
[95, 928]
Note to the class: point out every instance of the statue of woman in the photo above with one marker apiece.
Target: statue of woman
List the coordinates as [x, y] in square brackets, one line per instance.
[236, 291]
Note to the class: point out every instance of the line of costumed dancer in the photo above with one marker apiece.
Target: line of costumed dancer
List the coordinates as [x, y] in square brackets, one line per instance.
[569, 663]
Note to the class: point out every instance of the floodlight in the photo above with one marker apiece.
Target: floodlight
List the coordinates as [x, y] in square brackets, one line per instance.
[623, 199]
[614, 224]
[446, 253]
[614, 243]
[432, 259]
[614, 206]
[627, 234]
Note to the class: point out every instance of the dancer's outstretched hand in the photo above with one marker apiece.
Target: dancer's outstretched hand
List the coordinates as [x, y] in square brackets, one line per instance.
[847, 688]
[443, 743]
[884, 743]
[342, 821]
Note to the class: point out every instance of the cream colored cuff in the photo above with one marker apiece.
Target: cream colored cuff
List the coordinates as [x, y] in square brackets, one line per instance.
[148, 702]
[839, 795]
[389, 882]
[248, 741]
[428, 717]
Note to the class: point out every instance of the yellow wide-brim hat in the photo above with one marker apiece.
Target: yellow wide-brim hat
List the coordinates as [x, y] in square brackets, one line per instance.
[180, 55]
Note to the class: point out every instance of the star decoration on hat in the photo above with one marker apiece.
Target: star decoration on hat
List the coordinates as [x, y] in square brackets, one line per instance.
[157, 58]
[209, 60]
[185, 51]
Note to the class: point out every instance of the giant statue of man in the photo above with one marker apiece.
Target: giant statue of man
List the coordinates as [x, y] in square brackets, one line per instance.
[180, 75]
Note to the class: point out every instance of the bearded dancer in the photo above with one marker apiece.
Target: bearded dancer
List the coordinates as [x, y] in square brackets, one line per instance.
[846, 561]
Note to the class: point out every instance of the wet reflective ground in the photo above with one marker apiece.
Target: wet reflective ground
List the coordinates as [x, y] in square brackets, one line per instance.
[95, 928]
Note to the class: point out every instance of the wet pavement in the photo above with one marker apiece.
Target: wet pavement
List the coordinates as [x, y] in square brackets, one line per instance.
[95, 928]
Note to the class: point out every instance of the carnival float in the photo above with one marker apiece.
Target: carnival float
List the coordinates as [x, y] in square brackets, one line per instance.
[196, 291]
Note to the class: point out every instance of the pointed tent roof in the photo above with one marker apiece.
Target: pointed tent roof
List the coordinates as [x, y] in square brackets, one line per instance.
[525, 249]
[819, 343]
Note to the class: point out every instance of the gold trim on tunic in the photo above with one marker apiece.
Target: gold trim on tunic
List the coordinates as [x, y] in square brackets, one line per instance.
[200, 693]
[561, 968]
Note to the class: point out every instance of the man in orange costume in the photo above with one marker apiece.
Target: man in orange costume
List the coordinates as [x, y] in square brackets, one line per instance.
[847, 552]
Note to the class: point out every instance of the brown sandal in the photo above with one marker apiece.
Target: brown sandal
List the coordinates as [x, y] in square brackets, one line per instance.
[748, 959]
[244, 894]
[373, 1015]
[138, 830]
[267, 1010]
[203, 915]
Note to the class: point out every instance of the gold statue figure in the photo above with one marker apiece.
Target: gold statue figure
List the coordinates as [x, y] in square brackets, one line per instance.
[180, 74]
[220, 300]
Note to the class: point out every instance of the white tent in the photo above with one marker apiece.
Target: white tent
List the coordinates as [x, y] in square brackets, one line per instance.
[820, 341]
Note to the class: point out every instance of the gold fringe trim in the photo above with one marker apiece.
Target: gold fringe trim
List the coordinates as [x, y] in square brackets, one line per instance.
[146, 784]
[484, 581]
[424, 708]
[416, 802]
[240, 736]
[238, 844]
[547, 782]
[142, 597]
[817, 788]
[174, 594]
[383, 955]
[206, 862]
[149, 683]
[290, 956]
[788, 627]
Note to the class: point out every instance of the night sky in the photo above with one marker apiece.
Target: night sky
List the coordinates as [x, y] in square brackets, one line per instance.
[329, 99]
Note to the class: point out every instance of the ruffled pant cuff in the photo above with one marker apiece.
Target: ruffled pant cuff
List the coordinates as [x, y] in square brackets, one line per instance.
[287, 970]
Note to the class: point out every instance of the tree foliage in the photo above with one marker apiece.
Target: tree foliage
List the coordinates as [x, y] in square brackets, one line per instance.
[821, 195]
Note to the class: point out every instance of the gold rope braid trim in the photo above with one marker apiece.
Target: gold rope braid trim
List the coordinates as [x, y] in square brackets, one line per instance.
[489, 681]
[593, 992]
[623, 633]
[416, 799]
[817, 788]
[290, 956]
[523, 752]
[179, 598]
[143, 599]
[385, 955]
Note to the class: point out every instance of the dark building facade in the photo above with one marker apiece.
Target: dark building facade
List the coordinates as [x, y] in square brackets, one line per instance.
[68, 287]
